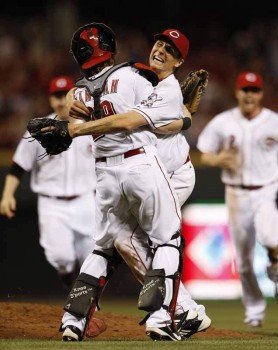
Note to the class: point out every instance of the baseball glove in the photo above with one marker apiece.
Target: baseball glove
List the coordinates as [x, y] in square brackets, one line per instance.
[54, 141]
[193, 87]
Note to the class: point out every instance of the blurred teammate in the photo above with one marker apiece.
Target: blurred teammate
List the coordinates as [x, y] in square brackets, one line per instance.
[64, 184]
[243, 142]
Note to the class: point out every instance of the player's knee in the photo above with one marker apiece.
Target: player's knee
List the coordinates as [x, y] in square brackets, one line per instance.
[63, 263]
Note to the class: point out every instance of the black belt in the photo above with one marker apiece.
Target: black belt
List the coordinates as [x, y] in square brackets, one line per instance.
[243, 187]
[131, 153]
[70, 198]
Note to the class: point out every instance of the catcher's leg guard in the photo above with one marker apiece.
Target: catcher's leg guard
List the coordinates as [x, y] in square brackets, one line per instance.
[85, 294]
[152, 293]
[169, 258]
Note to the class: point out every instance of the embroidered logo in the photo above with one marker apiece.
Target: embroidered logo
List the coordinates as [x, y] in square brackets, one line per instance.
[151, 100]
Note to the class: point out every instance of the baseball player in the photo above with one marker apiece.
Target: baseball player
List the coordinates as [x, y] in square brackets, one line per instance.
[173, 150]
[131, 243]
[131, 180]
[64, 183]
[243, 141]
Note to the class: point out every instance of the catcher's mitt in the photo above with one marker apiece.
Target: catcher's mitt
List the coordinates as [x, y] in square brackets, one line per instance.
[53, 141]
[193, 87]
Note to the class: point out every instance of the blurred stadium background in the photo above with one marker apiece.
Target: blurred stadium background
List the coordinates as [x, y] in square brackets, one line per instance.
[34, 46]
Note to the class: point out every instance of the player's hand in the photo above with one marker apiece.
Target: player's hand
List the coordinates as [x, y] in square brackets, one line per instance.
[228, 159]
[8, 206]
[77, 109]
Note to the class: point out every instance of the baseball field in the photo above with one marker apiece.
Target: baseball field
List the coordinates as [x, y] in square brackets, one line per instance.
[35, 325]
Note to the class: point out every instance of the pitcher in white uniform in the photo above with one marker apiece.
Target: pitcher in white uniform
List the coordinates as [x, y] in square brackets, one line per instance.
[64, 183]
[243, 141]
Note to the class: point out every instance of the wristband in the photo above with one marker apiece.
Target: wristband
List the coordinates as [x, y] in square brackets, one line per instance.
[186, 123]
[16, 170]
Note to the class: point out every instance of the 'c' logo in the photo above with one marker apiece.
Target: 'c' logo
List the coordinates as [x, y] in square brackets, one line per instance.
[174, 34]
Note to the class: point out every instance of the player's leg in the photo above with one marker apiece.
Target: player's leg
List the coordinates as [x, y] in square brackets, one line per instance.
[84, 297]
[153, 201]
[183, 180]
[166, 267]
[133, 245]
[81, 219]
[57, 238]
[266, 221]
[241, 224]
[98, 266]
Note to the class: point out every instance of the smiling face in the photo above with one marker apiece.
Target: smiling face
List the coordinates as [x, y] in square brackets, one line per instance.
[164, 58]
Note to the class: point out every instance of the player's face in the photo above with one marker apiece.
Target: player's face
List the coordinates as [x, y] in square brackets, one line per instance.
[58, 104]
[164, 58]
[249, 100]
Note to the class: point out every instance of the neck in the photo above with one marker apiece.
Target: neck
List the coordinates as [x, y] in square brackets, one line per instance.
[251, 114]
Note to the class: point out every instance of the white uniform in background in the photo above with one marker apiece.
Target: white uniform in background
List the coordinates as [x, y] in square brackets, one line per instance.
[250, 191]
[65, 185]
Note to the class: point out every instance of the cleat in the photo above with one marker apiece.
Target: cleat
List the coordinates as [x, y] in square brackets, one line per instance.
[185, 319]
[253, 322]
[71, 333]
[186, 327]
[163, 333]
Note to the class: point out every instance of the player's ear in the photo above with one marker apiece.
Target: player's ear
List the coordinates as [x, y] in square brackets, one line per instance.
[179, 63]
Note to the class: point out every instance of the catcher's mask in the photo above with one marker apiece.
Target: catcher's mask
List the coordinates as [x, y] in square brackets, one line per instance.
[92, 44]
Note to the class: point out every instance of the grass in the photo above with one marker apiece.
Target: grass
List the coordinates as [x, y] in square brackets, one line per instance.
[226, 315]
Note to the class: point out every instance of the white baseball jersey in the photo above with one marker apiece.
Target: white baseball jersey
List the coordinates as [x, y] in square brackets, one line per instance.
[125, 88]
[253, 213]
[120, 97]
[256, 139]
[66, 226]
[173, 149]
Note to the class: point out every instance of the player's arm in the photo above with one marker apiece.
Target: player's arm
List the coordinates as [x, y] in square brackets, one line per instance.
[12, 181]
[178, 125]
[226, 159]
[108, 125]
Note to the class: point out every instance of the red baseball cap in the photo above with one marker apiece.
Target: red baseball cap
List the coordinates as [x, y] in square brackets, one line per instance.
[249, 79]
[60, 83]
[177, 38]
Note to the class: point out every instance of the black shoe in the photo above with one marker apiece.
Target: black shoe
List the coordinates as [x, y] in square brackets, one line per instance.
[188, 327]
[185, 319]
[163, 333]
[71, 333]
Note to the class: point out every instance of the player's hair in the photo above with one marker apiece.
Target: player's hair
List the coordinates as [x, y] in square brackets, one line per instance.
[93, 44]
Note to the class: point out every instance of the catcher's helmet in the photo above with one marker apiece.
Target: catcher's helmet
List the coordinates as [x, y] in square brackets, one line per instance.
[92, 44]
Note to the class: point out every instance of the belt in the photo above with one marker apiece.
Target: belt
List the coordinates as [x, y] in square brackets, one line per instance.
[188, 159]
[243, 187]
[131, 153]
[70, 198]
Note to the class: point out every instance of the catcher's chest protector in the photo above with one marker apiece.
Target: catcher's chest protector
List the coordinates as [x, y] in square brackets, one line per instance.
[96, 86]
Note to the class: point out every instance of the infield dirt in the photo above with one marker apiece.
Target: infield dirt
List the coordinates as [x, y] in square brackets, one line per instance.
[40, 321]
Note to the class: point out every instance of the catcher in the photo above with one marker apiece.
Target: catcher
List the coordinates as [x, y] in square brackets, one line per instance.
[106, 125]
